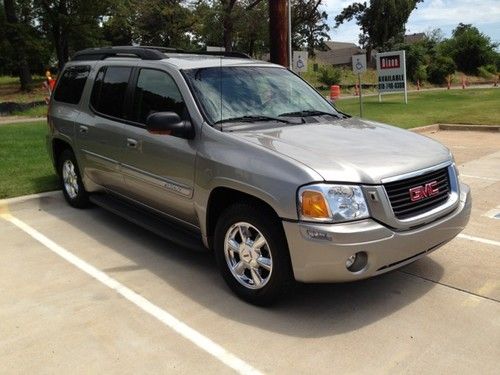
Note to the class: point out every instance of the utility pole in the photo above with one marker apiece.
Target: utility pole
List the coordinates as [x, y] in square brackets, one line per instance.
[278, 32]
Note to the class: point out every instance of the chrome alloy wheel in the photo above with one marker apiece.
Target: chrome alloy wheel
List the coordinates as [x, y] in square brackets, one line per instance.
[70, 179]
[248, 255]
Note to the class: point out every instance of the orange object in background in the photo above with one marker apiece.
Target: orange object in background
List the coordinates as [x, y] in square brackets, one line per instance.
[334, 92]
[52, 83]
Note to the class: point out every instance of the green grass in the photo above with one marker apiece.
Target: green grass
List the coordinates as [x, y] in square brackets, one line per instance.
[38, 111]
[10, 80]
[25, 167]
[481, 106]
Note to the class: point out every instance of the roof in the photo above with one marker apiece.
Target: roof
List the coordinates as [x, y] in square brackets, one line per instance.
[177, 58]
[193, 61]
[332, 45]
[414, 38]
[340, 56]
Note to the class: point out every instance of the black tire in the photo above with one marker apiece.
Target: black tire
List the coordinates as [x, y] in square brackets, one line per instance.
[266, 222]
[78, 198]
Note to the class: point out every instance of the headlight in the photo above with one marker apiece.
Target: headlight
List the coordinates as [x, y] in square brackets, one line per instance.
[332, 203]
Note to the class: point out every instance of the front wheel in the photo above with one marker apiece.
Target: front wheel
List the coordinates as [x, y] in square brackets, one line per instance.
[71, 181]
[252, 254]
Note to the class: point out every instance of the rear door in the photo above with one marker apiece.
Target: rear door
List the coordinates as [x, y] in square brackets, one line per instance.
[100, 128]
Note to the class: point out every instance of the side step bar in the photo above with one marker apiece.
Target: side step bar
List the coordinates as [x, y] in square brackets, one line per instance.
[157, 224]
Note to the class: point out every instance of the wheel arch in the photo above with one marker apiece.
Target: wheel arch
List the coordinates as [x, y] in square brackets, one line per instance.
[223, 197]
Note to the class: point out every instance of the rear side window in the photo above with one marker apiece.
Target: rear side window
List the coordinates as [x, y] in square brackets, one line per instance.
[70, 87]
[110, 87]
[156, 91]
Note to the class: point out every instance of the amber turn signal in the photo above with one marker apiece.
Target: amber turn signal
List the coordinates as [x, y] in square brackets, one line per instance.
[314, 205]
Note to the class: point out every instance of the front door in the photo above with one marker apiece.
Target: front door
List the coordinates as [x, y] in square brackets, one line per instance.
[158, 169]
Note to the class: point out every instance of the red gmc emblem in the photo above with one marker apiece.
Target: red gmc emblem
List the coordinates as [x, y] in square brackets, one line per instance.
[423, 191]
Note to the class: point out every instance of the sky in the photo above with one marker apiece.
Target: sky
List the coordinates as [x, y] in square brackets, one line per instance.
[431, 14]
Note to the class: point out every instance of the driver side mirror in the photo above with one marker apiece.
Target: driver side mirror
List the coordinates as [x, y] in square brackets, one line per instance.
[169, 123]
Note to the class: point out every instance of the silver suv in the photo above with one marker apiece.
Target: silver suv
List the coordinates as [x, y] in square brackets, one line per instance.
[245, 158]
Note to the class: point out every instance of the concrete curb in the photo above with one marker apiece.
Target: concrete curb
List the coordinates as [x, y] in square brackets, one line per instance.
[424, 129]
[20, 120]
[459, 127]
[22, 198]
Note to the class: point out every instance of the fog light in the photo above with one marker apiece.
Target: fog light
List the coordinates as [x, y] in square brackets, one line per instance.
[350, 261]
[357, 262]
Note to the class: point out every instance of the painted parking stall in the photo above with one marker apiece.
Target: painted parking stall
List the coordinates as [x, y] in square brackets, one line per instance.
[147, 305]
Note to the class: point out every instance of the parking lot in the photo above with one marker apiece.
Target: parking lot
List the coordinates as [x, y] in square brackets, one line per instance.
[84, 291]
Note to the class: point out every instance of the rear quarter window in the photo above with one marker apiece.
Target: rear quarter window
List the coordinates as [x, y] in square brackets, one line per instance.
[70, 87]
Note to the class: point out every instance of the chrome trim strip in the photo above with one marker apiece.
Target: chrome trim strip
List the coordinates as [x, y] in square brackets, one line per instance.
[157, 181]
[90, 153]
[416, 173]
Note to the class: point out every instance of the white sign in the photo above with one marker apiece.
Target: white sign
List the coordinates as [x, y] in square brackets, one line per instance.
[299, 61]
[359, 64]
[391, 71]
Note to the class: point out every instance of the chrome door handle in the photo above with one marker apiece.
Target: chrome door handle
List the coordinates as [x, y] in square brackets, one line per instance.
[84, 129]
[132, 143]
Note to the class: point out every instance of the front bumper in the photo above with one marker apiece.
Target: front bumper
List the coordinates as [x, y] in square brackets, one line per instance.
[323, 260]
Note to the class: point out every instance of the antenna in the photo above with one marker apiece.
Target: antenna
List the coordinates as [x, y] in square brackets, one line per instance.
[220, 88]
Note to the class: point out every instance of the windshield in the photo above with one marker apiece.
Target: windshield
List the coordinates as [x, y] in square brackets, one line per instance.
[237, 93]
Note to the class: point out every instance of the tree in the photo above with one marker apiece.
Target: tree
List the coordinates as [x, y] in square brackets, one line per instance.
[469, 48]
[382, 22]
[118, 29]
[71, 25]
[440, 68]
[309, 27]
[164, 23]
[249, 25]
[16, 34]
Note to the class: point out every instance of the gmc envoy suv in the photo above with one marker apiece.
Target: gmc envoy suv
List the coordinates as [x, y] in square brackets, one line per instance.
[243, 157]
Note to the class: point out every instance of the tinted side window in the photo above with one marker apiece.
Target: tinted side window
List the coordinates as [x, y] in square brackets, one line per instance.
[71, 84]
[156, 91]
[108, 93]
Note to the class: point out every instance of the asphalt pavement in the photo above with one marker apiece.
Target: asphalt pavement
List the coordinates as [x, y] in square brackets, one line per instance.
[83, 291]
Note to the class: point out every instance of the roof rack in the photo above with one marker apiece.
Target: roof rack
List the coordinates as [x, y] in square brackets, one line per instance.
[145, 53]
[216, 53]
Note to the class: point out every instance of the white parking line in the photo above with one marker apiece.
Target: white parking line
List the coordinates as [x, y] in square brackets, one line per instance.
[479, 239]
[163, 316]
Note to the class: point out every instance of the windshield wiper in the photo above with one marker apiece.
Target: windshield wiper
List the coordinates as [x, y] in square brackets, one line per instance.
[306, 113]
[252, 118]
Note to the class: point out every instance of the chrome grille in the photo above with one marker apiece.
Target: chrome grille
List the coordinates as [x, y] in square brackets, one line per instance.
[399, 193]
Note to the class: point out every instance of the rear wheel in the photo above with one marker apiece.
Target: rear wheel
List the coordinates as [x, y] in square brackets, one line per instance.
[252, 254]
[71, 181]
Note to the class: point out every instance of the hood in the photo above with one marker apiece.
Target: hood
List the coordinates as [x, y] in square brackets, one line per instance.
[351, 150]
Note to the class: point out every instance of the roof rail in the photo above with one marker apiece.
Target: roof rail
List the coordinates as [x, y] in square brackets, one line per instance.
[215, 53]
[144, 53]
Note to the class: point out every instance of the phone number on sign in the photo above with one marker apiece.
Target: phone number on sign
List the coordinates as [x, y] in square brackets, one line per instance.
[391, 85]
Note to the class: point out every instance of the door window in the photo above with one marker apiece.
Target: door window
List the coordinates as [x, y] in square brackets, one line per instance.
[108, 93]
[156, 91]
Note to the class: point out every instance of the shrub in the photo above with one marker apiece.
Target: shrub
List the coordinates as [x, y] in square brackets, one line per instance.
[420, 74]
[440, 68]
[329, 75]
[486, 71]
